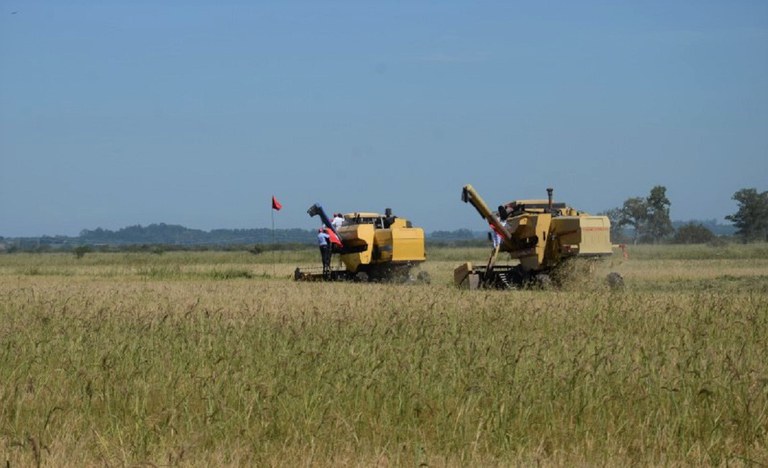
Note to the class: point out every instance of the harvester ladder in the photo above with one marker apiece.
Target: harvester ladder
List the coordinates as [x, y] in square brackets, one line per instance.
[488, 276]
[492, 259]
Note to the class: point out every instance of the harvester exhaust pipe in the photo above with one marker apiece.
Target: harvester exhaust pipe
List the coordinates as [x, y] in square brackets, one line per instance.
[549, 199]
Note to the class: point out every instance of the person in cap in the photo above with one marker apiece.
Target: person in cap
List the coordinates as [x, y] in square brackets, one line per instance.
[324, 242]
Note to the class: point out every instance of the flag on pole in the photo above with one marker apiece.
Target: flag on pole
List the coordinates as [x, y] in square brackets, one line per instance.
[276, 204]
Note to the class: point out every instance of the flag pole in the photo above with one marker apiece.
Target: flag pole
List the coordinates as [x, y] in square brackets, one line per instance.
[272, 210]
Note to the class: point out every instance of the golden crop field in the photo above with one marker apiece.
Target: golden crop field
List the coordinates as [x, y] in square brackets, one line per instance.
[221, 359]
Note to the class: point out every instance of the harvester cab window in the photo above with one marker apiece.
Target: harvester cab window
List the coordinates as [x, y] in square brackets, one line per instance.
[379, 221]
[515, 208]
[364, 220]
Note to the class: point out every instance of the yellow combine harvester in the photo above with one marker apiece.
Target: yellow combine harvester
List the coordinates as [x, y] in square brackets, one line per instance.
[541, 235]
[375, 247]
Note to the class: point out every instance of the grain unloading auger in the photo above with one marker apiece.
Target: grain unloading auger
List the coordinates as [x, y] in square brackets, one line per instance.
[541, 236]
[375, 247]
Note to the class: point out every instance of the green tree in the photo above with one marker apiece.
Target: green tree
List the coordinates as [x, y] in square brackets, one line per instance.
[648, 217]
[81, 250]
[634, 213]
[658, 225]
[751, 220]
[693, 233]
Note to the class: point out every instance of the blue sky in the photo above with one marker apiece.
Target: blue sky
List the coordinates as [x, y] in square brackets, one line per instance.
[195, 113]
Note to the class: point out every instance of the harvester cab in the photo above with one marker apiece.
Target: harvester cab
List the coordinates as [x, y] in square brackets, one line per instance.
[373, 247]
[539, 236]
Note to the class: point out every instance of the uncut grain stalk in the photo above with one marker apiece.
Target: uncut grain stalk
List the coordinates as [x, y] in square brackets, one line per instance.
[236, 371]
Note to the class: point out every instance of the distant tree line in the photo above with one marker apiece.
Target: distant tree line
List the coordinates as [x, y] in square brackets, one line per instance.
[162, 238]
[639, 219]
[647, 220]
[174, 234]
[159, 238]
[81, 249]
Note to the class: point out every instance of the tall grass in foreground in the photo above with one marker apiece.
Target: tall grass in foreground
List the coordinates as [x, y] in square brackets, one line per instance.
[98, 371]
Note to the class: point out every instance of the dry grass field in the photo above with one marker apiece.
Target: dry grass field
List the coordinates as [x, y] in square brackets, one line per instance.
[220, 359]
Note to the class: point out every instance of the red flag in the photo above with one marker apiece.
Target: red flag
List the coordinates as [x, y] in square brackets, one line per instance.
[333, 237]
[276, 204]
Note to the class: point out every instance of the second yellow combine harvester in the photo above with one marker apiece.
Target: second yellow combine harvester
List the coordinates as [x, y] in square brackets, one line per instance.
[541, 235]
[375, 247]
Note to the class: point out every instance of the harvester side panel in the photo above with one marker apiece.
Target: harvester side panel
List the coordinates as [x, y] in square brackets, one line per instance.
[383, 252]
[408, 245]
[583, 235]
[595, 236]
[356, 237]
[531, 227]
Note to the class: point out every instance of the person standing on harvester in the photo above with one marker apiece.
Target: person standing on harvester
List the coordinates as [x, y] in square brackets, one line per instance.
[324, 242]
[338, 220]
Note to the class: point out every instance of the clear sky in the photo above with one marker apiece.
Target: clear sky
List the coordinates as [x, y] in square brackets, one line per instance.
[196, 112]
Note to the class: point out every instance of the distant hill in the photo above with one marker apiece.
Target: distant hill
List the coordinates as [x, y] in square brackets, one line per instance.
[162, 234]
[176, 235]
[457, 235]
[179, 235]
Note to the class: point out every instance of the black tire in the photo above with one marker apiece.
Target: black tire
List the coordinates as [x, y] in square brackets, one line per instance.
[362, 277]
